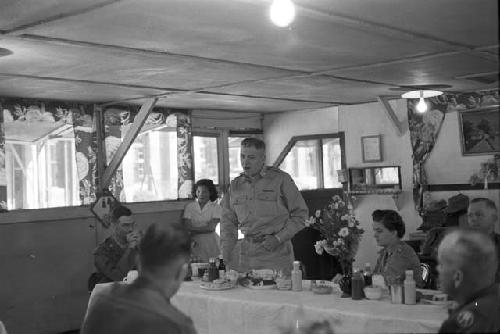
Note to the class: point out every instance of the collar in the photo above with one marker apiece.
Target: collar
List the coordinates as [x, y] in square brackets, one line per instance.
[390, 249]
[262, 174]
[490, 290]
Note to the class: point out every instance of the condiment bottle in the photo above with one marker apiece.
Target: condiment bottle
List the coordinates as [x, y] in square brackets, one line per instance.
[222, 268]
[368, 274]
[358, 283]
[410, 288]
[213, 272]
[296, 277]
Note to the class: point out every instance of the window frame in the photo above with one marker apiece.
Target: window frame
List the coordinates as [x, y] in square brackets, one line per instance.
[319, 138]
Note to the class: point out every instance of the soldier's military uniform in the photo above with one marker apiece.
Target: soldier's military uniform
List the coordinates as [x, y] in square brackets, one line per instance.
[269, 204]
[393, 260]
[481, 314]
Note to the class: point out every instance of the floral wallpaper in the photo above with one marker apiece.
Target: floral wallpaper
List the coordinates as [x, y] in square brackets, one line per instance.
[425, 128]
[184, 154]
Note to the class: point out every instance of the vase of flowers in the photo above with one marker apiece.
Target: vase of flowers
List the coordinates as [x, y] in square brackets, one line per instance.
[341, 232]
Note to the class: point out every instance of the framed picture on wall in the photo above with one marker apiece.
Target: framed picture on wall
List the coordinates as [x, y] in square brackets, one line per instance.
[371, 148]
[480, 130]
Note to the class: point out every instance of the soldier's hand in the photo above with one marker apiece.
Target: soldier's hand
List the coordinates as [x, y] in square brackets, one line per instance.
[270, 243]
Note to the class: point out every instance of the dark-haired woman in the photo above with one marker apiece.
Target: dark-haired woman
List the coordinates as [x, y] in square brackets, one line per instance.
[396, 256]
[201, 217]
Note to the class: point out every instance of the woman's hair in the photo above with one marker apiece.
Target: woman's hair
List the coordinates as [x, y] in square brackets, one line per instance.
[210, 186]
[393, 222]
[377, 215]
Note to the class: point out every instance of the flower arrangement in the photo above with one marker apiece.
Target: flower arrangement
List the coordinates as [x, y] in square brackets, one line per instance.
[340, 230]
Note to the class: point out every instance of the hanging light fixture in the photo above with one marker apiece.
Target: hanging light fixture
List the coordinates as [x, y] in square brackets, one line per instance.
[421, 106]
[282, 12]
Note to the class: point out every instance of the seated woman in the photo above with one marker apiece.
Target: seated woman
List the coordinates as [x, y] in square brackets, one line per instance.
[201, 218]
[116, 255]
[396, 256]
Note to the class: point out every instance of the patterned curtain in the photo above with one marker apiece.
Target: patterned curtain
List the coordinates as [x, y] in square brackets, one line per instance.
[424, 130]
[3, 175]
[84, 128]
[184, 154]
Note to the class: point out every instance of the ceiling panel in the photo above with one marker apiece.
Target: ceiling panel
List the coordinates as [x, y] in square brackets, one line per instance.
[235, 31]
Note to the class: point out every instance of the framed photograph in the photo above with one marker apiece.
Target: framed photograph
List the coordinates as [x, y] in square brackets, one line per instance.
[480, 130]
[371, 148]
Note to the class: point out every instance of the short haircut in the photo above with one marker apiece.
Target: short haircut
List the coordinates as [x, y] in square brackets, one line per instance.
[377, 215]
[210, 186]
[488, 202]
[160, 247]
[120, 211]
[253, 142]
[393, 222]
[472, 251]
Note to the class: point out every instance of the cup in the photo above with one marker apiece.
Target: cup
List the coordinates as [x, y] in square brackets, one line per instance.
[131, 276]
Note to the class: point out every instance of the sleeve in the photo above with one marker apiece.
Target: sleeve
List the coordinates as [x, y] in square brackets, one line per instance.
[297, 208]
[114, 271]
[228, 227]
[187, 211]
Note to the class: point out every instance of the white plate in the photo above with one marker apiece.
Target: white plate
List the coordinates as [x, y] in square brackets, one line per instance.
[435, 302]
[214, 288]
[262, 287]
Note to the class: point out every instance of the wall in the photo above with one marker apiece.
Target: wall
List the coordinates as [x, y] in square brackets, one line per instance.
[446, 164]
[45, 262]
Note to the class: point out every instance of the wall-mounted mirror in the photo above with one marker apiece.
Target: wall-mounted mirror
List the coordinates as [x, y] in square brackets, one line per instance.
[373, 178]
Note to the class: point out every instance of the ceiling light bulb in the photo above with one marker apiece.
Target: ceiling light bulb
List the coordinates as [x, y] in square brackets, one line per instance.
[282, 12]
[421, 106]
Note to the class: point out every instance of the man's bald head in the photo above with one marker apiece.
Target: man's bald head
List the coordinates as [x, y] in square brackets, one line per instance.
[473, 254]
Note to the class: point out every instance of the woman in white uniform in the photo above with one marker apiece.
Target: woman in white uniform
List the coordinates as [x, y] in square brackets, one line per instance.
[201, 217]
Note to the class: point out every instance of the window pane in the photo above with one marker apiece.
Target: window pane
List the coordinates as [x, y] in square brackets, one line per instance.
[150, 167]
[206, 159]
[302, 164]
[234, 144]
[40, 172]
[331, 162]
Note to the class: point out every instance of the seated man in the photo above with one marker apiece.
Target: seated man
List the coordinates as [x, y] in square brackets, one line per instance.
[116, 255]
[482, 215]
[144, 305]
[467, 266]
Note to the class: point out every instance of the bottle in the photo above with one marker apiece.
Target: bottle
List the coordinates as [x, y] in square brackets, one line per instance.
[358, 283]
[296, 277]
[222, 268]
[213, 272]
[368, 274]
[410, 288]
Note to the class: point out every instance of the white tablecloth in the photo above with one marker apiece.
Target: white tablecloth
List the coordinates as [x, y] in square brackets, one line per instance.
[246, 311]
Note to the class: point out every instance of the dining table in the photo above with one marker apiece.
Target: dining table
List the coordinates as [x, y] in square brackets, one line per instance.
[243, 310]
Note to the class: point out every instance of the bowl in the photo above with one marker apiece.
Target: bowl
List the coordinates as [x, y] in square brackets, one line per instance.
[373, 293]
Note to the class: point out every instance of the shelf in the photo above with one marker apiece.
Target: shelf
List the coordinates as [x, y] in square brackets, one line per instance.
[396, 195]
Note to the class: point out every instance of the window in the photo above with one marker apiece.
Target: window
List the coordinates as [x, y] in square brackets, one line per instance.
[150, 166]
[313, 161]
[206, 158]
[234, 148]
[40, 166]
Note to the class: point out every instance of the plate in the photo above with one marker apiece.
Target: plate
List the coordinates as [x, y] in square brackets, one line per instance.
[262, 287]
[435, 302]
[211, 287]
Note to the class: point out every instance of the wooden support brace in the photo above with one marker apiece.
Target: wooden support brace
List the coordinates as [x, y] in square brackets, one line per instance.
[392, 115]
[127, 141]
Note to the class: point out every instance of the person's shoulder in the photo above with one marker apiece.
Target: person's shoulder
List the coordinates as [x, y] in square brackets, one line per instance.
[480, 315]
[105, 246]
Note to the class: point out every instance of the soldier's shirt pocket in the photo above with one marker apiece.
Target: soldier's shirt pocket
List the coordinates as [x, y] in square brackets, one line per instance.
[267, 203]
